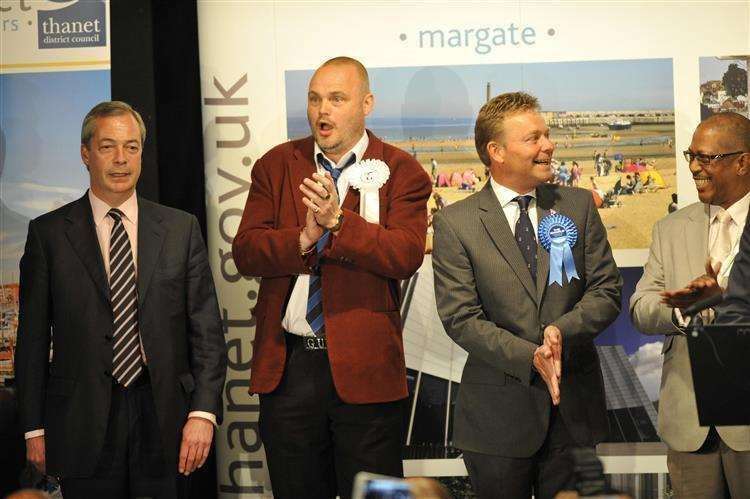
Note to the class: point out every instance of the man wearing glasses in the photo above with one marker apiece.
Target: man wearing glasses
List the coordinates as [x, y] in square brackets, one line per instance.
[692, 251]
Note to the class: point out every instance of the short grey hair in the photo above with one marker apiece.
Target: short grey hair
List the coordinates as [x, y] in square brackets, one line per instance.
[105, 109]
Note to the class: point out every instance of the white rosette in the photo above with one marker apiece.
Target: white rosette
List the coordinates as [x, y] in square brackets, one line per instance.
[368, 176]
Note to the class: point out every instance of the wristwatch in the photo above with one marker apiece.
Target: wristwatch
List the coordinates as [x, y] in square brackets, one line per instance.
[339, 221]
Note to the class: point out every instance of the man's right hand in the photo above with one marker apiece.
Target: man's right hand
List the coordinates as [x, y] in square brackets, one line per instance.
[699, 288]
[545, 365]
[35, 452]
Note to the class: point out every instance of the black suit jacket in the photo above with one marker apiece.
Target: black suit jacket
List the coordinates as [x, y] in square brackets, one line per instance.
[736, 306]
[64, 301]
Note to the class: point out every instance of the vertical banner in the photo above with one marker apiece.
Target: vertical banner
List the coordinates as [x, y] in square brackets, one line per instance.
[238, 123]
[621, 90]
[54, 66]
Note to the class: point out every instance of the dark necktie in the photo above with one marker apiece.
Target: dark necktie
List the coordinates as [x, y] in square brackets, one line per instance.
[126, 348]
[525, 237]
[314, 314]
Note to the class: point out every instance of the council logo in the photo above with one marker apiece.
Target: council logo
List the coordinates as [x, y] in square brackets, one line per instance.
[80, 23]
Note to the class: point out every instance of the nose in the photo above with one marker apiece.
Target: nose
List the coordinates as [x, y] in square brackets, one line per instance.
[547, 145]
[119, 155]
[325, 107]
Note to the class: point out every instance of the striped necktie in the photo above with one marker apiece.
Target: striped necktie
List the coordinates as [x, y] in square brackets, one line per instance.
[525, 237]
[314, 314]
[126, 349]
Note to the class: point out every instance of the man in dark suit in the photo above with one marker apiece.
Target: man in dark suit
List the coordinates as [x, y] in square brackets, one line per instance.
[332, 223]
[736, 306]
[525, 308]
[121, 289]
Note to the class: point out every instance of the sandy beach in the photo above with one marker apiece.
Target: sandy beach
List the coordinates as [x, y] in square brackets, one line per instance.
[628, 222]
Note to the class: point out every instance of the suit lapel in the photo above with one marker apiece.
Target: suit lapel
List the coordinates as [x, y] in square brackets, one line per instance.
[81, 234]
[494, 221]
[697, 250]
[544, 205]
[150, 239]
[300, 167]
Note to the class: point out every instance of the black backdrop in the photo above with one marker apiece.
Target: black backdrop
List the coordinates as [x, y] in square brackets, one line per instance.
[155, 68]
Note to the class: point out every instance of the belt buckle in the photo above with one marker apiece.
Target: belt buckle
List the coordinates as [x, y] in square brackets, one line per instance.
[315, 343]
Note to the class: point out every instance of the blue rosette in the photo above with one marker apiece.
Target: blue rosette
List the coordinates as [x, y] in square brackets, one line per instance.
[558, 234]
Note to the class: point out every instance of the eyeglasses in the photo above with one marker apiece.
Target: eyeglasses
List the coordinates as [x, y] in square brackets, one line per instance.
[707, 159]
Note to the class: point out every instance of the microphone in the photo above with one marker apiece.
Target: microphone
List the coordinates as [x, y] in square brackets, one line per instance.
[703, 304]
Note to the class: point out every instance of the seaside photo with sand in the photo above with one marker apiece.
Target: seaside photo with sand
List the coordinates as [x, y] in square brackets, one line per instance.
[612, 123]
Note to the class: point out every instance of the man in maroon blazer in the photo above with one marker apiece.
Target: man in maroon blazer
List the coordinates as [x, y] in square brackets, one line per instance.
[332, 223]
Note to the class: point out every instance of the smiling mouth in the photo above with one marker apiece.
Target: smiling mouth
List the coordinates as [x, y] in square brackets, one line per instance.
[542, 161]
[701, 181]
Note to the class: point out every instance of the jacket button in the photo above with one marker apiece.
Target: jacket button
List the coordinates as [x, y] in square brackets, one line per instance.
[108, 337]
[107, 373]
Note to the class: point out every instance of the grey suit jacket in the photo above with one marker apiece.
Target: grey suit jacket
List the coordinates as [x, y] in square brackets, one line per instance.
[679, 249]
[64, 300]
[491, 308]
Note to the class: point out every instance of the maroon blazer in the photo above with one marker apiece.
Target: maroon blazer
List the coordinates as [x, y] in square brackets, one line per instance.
[360, 269]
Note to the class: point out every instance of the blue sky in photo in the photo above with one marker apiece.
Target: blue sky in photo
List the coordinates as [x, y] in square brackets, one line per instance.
[41, 124]
[713, 68]
[455, 92]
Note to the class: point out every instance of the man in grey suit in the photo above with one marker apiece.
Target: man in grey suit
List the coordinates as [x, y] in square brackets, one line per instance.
[120, 289]
[526, 313]
[703, 462]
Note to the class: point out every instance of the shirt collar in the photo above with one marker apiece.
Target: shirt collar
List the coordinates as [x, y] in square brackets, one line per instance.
[738, 211]
[100, 209]
[358, 150]
[506, 195]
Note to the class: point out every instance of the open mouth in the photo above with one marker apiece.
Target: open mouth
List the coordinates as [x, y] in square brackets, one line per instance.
[325, 128]
[542, 161]
[701, 181]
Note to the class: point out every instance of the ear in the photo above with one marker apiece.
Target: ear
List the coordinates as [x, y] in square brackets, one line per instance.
[496, 152]
[743, 164]
[85, 155]
[368, 103]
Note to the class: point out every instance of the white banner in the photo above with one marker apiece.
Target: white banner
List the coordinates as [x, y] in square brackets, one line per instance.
[620, 82]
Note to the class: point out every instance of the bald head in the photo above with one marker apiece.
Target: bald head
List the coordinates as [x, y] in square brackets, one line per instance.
[725, 178]
[732, 130]
[359, 68]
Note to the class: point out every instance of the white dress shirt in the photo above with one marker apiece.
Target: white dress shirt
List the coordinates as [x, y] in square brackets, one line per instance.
[511, 209]
[104, 224]
[295, 320]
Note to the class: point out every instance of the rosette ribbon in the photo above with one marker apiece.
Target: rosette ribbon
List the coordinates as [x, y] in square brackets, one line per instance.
[368, 176]
[558, 234]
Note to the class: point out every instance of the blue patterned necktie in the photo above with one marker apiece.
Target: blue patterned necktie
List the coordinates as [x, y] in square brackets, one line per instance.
[314, 314]
[525, 237]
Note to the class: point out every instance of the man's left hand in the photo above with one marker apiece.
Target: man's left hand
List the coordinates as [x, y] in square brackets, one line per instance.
[196, 444]
[322, 198]
[553, 339]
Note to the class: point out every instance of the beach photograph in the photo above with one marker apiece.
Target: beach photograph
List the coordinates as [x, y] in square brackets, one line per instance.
[612, 123]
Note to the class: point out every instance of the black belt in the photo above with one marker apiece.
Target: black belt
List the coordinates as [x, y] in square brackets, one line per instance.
[309, 343]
